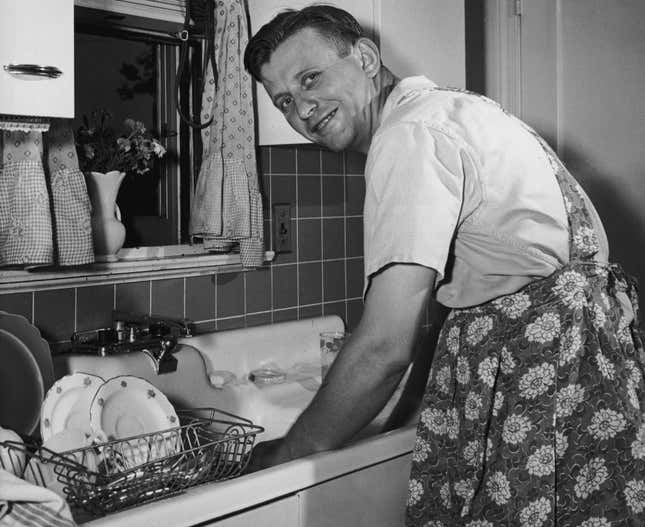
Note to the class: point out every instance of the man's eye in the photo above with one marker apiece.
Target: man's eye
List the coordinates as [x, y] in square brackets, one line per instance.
[309, 79]
[284, 103]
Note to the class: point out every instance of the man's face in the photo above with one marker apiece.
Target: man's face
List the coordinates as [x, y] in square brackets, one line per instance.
[324, 97]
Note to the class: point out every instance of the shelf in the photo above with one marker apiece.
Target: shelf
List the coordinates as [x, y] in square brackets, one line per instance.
[135, 265]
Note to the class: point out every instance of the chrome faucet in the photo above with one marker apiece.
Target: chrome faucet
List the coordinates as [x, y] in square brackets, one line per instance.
[154, 335]
[155, 324]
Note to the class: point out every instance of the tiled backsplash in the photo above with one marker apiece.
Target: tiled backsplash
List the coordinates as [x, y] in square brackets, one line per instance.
[322, 275]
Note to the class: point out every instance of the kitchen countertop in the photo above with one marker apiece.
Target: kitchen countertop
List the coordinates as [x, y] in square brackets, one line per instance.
[213, 500]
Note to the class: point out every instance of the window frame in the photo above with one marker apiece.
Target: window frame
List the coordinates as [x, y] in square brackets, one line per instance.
[148, 262]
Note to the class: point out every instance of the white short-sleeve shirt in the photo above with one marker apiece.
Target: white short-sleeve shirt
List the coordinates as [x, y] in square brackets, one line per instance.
[456, 184]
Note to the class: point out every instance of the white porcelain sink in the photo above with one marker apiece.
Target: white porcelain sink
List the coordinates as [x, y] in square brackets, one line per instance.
[227, 357]
[213, 371]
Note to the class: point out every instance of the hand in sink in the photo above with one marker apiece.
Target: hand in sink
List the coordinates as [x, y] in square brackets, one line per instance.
[267, 454]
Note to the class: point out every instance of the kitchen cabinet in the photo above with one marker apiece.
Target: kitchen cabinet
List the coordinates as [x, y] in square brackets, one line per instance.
[37, 58]
[372, 497]
[416, 37]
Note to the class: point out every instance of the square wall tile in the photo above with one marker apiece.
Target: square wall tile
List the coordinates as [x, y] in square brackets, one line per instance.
[283, 159]
[94, 306]
[258, 290]
[333, 196]
[309, 197]
[354, 238]
[167, 297]
[310, 311]
[257, 319]
[332, 162]
[310, 280]
[200, 297]
[355, 192]
[283, 190]
[17, 303]
[54, 313]
[334, 280]
[285, 315]
[309, 242]
[285, 286]
[355, 162]
[333, 238]
[230, 294]
[308, 159]
[355, 277]
[231, 323]
[133, 297]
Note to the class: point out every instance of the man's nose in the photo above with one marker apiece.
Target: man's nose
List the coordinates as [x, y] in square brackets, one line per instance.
[305, 107]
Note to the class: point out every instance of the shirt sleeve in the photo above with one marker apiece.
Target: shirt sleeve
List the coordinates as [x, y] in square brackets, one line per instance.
[414, 194]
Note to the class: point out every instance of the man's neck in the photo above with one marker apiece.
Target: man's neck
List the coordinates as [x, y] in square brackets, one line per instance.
[384, 82]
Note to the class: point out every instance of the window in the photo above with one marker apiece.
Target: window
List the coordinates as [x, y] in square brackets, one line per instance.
[131, 73]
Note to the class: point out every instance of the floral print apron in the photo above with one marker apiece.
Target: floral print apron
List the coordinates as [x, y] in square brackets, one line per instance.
[533, 413]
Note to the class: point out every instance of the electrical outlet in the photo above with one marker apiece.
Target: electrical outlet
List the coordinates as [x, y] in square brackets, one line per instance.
[282, 227]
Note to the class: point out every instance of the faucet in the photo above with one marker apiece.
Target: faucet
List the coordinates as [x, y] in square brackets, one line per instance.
[155, 324]
[154, 335]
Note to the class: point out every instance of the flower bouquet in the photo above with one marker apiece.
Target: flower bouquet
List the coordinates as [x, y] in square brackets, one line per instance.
[101, 148]
[105, 157]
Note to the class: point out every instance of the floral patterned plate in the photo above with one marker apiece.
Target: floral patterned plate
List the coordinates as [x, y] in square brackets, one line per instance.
[128, 406]
[67, 404]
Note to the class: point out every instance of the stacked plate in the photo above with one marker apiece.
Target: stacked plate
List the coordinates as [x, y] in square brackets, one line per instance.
[82, 409]
[26, 374]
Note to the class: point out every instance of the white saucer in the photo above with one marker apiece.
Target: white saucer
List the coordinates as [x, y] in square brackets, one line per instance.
[72, 443]
[127, 406]
[67, 404]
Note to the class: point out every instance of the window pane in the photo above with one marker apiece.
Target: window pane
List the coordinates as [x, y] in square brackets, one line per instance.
[119, 75]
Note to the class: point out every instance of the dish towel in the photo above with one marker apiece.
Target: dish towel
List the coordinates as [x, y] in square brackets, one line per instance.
[227, 206]
[27, 505]
[26, 235]
[44, 210]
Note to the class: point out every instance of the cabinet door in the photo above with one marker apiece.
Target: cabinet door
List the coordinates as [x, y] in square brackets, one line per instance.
[425, 37]
[37, 33]
[273, 128]
[373, 497]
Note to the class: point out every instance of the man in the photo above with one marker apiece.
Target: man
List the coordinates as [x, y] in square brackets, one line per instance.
[538, 360]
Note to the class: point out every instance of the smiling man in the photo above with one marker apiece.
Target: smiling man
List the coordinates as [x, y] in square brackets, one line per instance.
[536, 391]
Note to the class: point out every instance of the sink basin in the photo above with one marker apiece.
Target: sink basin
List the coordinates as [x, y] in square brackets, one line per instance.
[213, 371]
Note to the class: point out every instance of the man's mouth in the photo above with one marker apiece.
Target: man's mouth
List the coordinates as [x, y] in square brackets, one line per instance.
[320, 125]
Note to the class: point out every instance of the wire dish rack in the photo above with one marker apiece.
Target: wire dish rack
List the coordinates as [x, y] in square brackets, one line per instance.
[210, 445]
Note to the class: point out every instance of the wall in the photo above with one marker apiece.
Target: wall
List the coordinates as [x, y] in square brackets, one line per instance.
[322, 275]
[582, 87]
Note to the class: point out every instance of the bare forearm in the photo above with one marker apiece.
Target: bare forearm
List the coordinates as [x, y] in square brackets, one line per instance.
[367, 370]
[355, 390]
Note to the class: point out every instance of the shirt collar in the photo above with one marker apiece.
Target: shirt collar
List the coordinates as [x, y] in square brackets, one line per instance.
[402, 89]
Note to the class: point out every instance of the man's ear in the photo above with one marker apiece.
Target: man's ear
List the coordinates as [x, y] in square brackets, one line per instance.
[369, 55]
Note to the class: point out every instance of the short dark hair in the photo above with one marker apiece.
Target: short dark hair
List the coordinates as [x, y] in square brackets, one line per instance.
[331, 22]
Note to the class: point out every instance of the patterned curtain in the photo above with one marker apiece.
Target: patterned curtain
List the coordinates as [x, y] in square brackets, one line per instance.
[227, 206]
